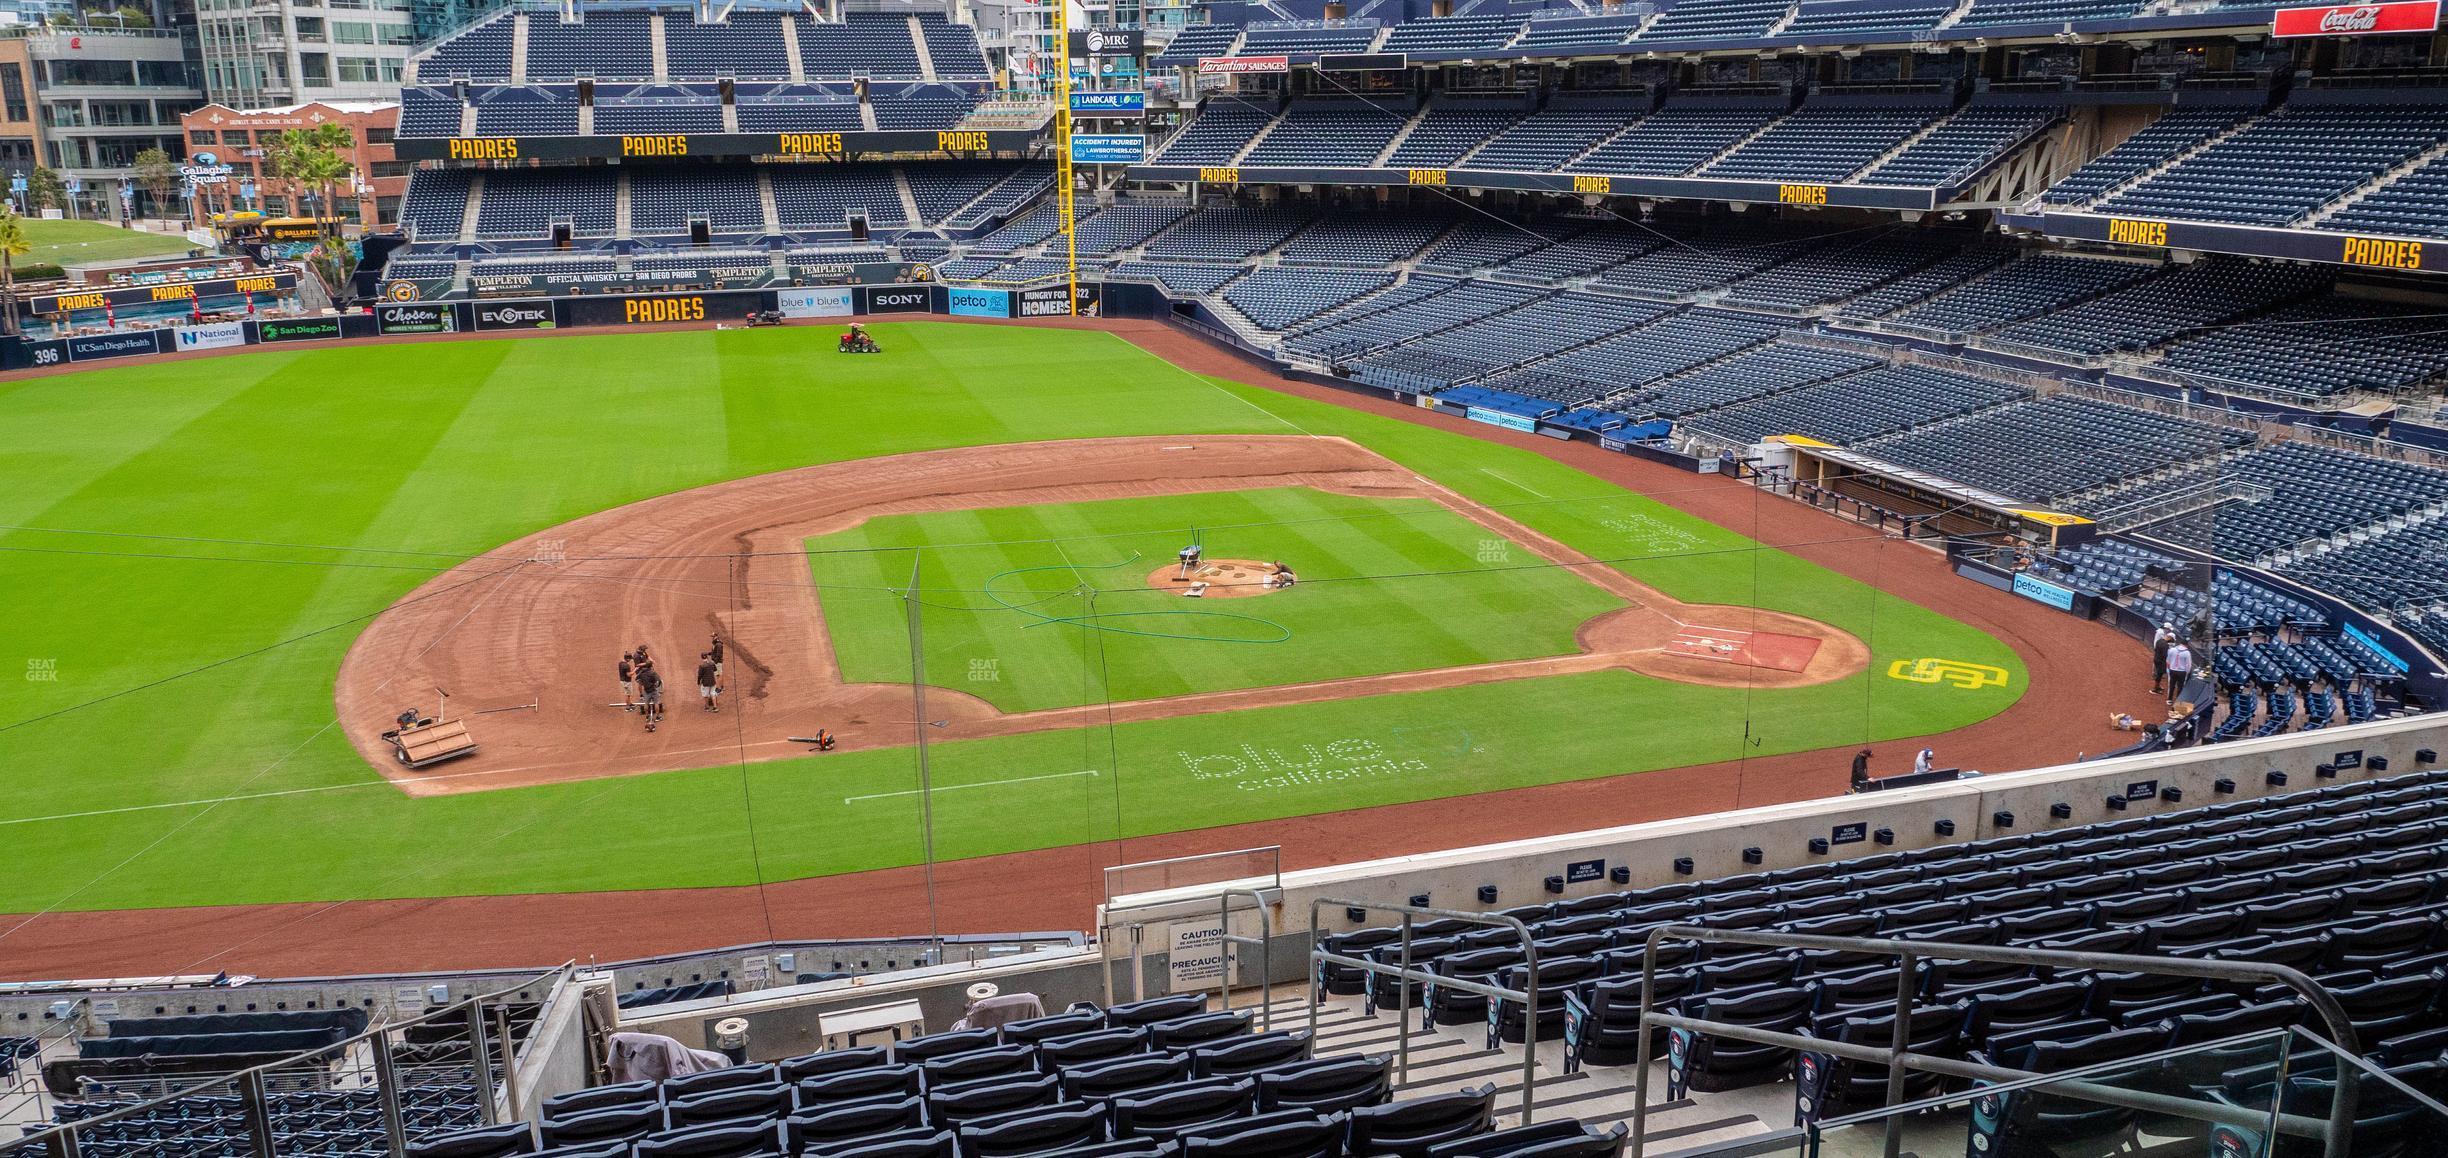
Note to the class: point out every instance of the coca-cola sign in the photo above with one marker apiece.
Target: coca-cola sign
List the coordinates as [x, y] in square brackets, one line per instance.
[2358, 19]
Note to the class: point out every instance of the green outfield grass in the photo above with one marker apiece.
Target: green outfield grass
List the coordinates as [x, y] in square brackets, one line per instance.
[71, 242]
[195, 543]
[1386, 586]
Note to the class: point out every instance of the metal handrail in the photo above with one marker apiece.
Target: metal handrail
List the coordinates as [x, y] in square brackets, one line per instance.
[61, 1140]
[1226, 939]
[1897, 1058]
[1527, 995]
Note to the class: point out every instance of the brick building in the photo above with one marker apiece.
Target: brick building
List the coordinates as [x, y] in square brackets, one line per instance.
[239, 138]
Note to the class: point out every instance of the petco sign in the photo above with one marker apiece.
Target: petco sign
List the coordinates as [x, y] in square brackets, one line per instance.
[2357, 19]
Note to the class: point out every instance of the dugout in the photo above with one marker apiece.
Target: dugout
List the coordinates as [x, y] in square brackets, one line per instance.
[1921, 504]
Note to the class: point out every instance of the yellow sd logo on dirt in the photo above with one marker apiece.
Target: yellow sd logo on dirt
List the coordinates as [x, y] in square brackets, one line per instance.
[1954, 672]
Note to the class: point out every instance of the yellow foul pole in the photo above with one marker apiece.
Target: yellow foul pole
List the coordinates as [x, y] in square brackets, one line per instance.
[1062, 148]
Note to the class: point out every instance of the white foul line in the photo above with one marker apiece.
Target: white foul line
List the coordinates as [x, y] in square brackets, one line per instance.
[979, 784]
[1523, 486]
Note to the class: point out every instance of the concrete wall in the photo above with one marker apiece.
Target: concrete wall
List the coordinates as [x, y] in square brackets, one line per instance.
[783, 1021]
[1646, 853]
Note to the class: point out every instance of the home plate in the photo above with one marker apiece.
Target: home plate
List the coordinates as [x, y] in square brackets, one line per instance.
[1766, 649]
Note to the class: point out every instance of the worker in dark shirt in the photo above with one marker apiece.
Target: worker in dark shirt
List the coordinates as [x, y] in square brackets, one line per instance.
[709, 687]
[1861, 770]
[650, 688]
[628, 678]
[717, 653]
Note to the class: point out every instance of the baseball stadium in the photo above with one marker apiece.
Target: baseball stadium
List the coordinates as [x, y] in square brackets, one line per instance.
[900, 579]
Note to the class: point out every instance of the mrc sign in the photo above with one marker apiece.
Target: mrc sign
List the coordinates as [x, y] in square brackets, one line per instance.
[2357, 19]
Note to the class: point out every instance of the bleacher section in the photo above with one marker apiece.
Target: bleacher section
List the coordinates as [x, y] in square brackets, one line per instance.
[1962, 145]
[1278, 297]
[1819, 144]
[1673, 140]
[2287, 164]
[1336, 132]
[2029, 287]
[2156, 310]
[1857, 407]
[2052, 448]
[2321, 348]
[2316, 495]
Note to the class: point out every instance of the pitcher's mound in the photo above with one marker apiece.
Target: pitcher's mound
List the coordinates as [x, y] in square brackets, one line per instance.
[1225, 578]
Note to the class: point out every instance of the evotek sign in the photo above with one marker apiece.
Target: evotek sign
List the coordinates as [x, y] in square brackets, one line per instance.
[2357, 19]
[515, 316]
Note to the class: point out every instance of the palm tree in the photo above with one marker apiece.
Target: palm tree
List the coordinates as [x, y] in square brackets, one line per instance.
[316, 160]
[13, 245]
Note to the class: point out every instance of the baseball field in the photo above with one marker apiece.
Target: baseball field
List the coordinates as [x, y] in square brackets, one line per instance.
[223, 575]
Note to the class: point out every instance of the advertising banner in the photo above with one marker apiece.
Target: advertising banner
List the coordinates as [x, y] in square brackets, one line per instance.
[514, 316]
[218, 335]
[2042, 591]
[1523, 423]
[96, 347]
[1055, 301]
[2357, 19]
[297, 329]
[1363, 62]
[416, 319]
[824, 302]
[1108, 104]
[1108, 148]
[1097, 43]
[916, 299]
[609, 146]
[1239, 65]
[39, 354]
[155, 293]
[980, 303]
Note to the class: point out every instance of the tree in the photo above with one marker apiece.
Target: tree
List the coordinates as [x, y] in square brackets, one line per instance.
[158, 174]
[316, 160]
[13, 245]
[45, 190]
